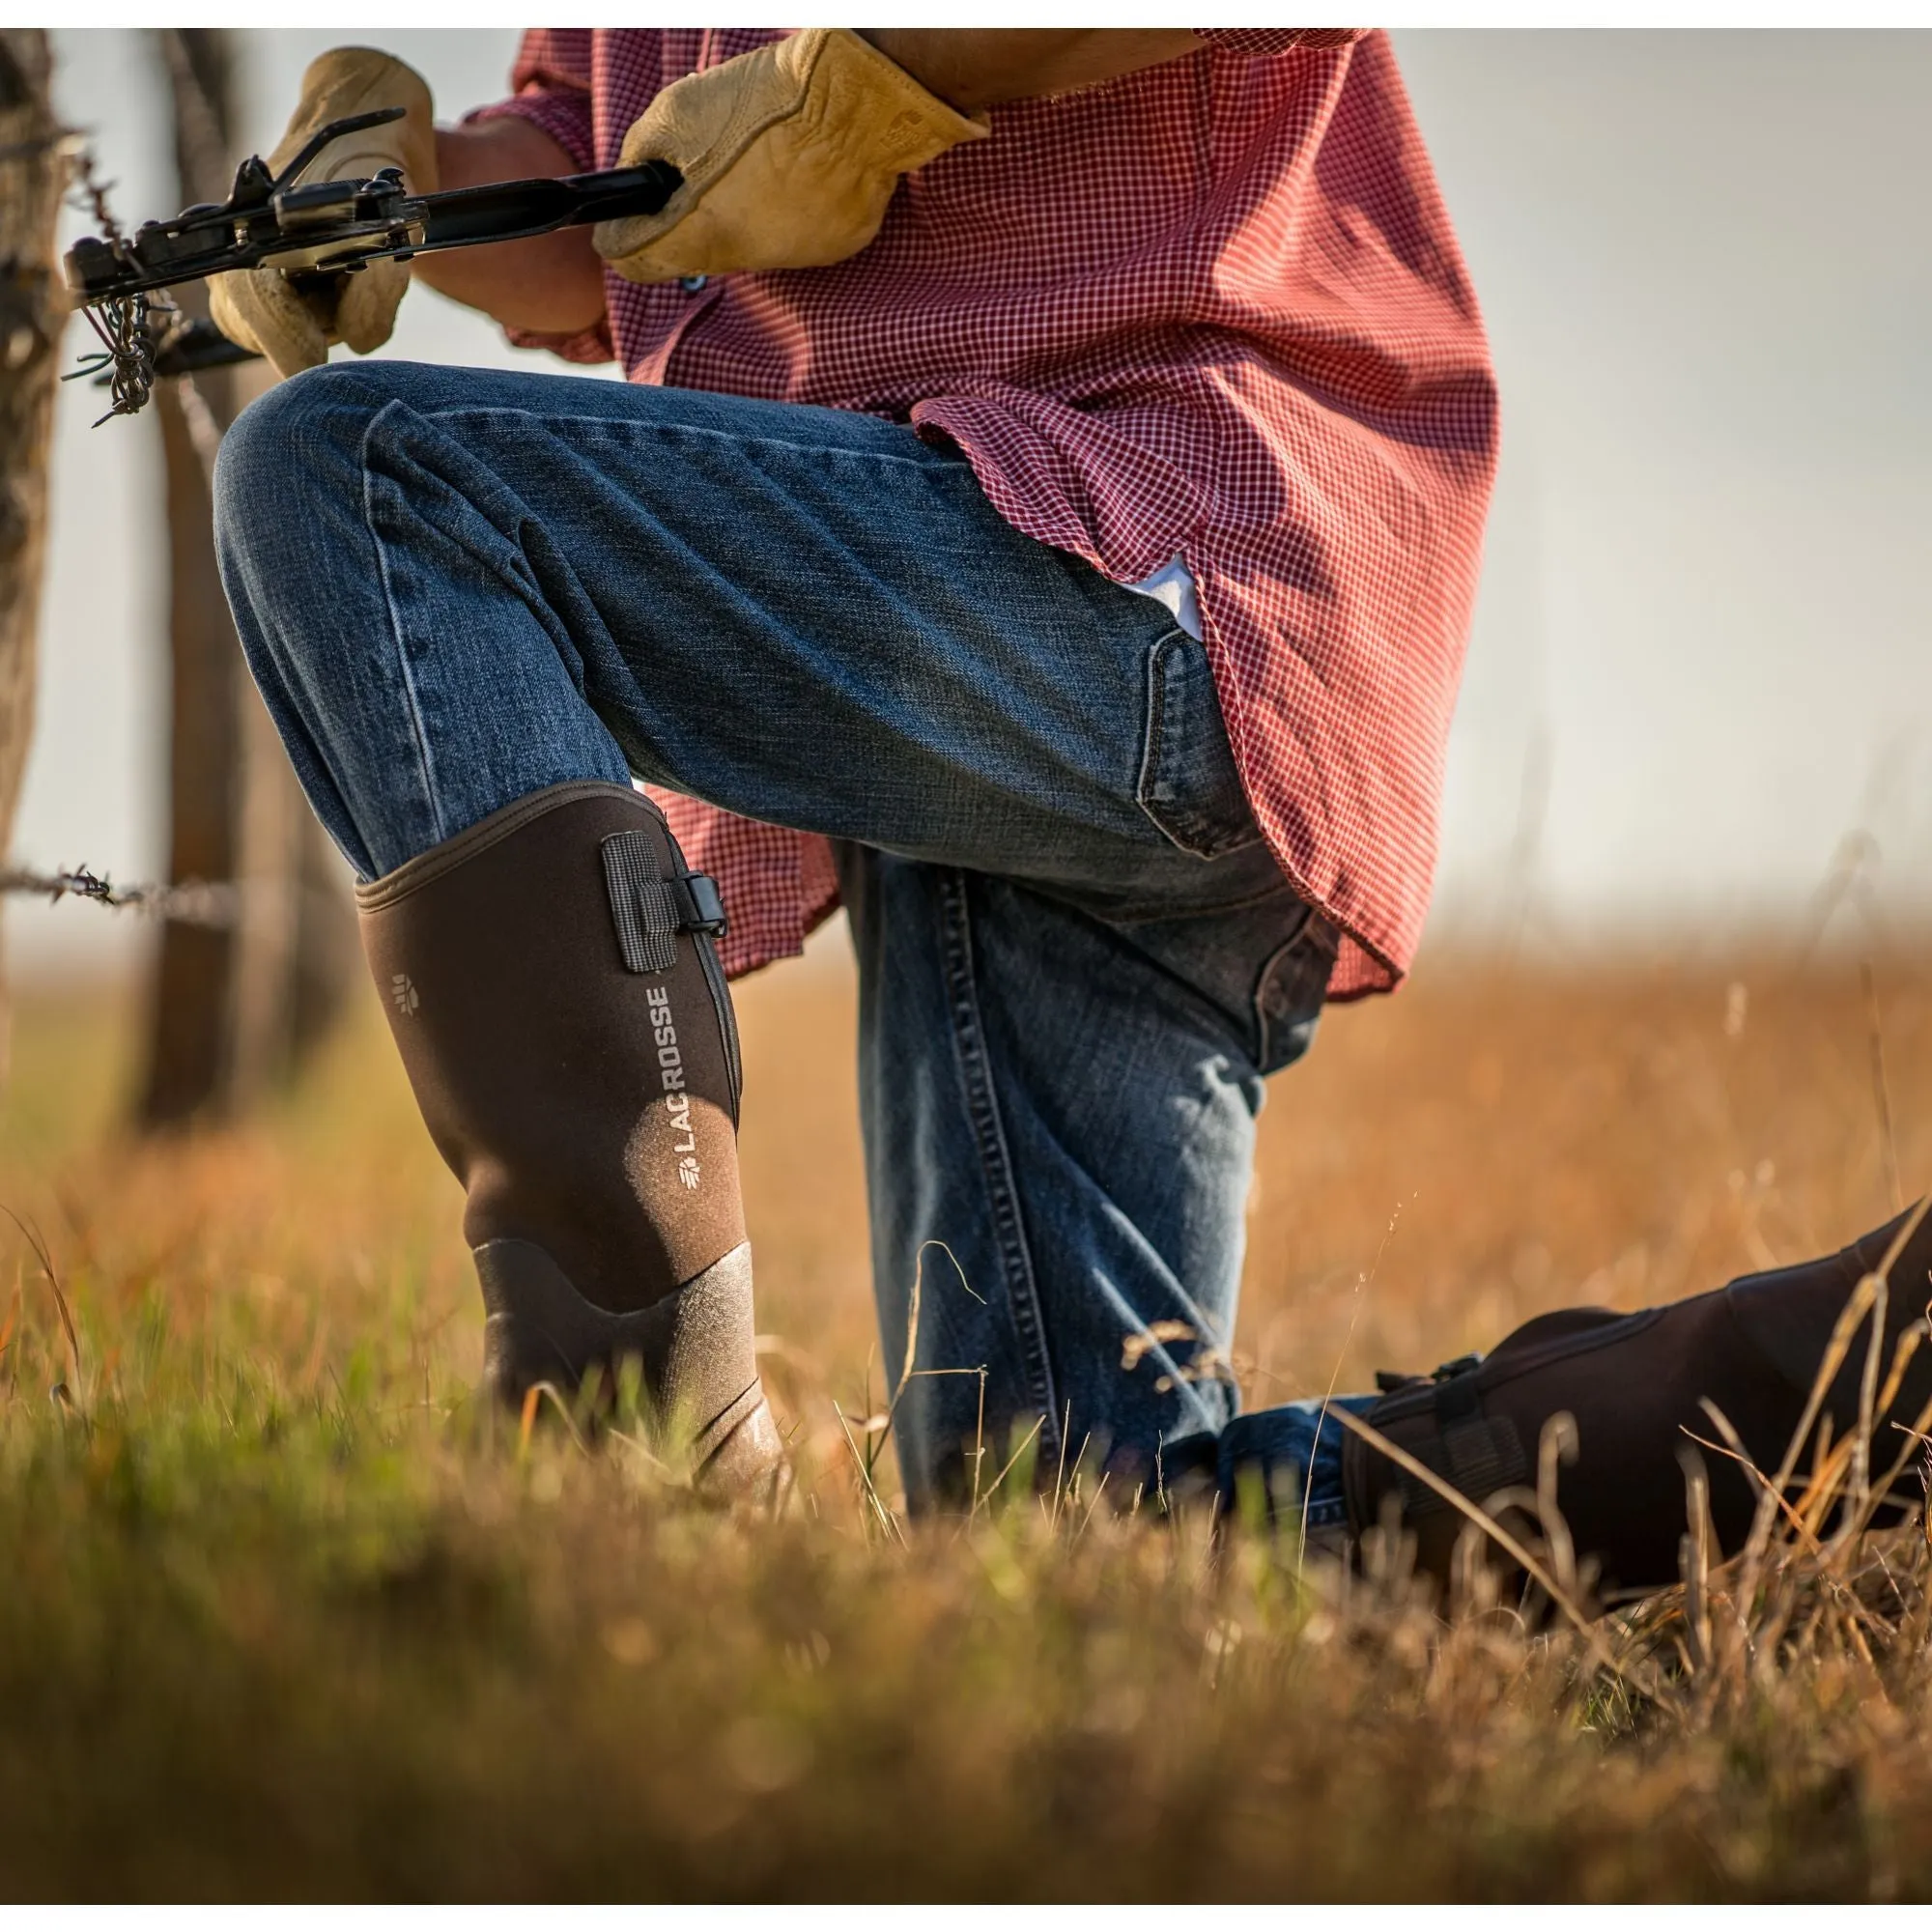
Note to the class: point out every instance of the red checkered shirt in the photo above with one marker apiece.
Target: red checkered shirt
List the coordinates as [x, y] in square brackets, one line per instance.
[1213, 310]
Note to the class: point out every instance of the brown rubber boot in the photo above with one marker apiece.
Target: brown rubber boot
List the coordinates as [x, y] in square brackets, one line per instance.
[553, 987]
[1634, 1384]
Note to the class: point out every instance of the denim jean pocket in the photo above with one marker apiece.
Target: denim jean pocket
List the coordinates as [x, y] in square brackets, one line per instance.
[1189, 786]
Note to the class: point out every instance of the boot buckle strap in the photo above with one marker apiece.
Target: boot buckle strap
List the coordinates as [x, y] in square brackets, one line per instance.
[700, 905]
[649, 909]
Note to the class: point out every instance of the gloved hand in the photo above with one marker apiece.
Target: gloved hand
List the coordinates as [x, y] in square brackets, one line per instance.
[260, 308]
[789, 154]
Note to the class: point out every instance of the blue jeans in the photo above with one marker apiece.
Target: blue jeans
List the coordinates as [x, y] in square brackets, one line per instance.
[1293, 1450]
[1078, 959]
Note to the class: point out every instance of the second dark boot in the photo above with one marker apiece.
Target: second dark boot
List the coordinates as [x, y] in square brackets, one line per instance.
[1634, 1385]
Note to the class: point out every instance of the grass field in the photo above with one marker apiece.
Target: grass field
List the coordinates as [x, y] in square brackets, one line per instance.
[283, 1613]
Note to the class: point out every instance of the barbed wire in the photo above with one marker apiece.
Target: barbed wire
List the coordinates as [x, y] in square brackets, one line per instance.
[194, 902]
[126, 359]
[89, 194]
[130, 353]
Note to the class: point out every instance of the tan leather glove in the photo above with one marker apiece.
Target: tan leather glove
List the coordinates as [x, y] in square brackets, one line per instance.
[261, 308]
[790, 156]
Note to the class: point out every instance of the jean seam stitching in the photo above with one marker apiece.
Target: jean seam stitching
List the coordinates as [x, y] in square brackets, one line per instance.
[918, 461]
[1161, 912]
[1306, 939]
[425, 763]
[995, 1162]
[1157, 719]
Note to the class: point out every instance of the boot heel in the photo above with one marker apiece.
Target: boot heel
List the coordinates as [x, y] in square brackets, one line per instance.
[538, 1328]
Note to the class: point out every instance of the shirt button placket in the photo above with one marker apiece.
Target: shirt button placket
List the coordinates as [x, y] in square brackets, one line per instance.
[668, 316]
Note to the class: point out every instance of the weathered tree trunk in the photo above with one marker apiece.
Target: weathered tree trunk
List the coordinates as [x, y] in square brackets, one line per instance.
[234, 1009]
[33, 309]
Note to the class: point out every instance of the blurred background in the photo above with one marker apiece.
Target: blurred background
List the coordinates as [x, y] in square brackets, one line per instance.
[1700, 665]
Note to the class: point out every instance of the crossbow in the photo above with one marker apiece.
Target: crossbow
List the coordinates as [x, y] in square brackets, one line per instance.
[313, 231]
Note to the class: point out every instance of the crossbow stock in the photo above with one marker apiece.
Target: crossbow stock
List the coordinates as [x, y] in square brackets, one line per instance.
[312, 231]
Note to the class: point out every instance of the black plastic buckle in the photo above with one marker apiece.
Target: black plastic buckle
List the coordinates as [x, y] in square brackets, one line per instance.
[702, 905]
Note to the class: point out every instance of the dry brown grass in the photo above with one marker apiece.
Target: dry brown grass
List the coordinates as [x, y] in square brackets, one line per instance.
[286, 1618]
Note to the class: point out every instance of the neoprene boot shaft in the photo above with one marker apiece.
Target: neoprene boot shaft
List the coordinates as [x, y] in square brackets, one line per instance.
[552, 984]
[1633, 1385]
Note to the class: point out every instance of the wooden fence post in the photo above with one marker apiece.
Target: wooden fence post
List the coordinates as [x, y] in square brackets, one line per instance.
[32, 310]
[232, 1010]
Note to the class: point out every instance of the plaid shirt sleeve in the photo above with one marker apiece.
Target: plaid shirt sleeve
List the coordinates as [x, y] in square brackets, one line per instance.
[553, 83]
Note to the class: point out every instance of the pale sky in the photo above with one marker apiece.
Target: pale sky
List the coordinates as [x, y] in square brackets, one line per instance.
[1700, 657]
